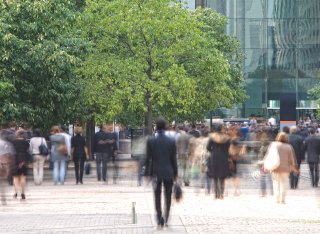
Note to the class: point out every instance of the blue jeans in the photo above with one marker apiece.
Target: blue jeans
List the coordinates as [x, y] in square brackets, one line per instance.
[102, 158]
[265, 179]
[59, 171]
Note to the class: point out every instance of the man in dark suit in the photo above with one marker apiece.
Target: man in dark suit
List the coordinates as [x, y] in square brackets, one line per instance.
[161, 165]
[105, 147]
[297, 144]
[313, 151]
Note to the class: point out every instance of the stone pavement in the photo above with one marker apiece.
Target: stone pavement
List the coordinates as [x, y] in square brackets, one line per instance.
[107, 208]
[95, 207]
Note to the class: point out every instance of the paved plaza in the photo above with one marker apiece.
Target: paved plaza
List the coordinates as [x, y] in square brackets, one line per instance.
[95, 207]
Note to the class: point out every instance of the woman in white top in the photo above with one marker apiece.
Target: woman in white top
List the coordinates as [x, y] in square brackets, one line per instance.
[38, 159]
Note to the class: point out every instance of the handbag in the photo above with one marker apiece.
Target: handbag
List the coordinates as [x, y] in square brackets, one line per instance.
[43, 149]
[272, 158]
[87, 168]
[62, 148]
[177, 191]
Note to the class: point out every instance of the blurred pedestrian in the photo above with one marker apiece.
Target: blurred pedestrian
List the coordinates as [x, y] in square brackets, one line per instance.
[22, 159]
[194, 131]
[79, 154]
[59, 155]
[218, 163]
[237, 152]
[312, 144]
[10, 135]
[161, 166]
[280, 176]
[7, 162]
[38, 159]
[105, 148]
[296, 142]
[183, 154]
[64, 130]
[265, 176]
[197, 157]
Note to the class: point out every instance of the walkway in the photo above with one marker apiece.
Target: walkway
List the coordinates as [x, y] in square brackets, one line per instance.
[107, 208]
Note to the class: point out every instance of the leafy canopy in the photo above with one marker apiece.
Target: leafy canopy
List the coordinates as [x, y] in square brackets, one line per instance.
[38, 55]
[154, 58]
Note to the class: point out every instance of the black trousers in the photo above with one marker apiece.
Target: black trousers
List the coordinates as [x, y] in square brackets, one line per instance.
[79, 168]
[218, 187]
[157, 186]
[314, 172]
[294, 178]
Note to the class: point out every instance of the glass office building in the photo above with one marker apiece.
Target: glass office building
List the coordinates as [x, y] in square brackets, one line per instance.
[281, 40]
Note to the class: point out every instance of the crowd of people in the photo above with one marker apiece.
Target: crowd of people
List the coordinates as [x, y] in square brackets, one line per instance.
[204, 156]
[210, 158]
[20, 148]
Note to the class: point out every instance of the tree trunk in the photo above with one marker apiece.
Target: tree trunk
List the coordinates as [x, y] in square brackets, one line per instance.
[148, 116]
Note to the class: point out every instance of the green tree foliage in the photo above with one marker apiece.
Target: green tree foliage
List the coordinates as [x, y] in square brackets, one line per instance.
[153, 57]
[38, 56]
[315, 94]
[229, 46]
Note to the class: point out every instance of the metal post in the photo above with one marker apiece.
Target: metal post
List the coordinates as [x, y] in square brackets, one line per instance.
[134, 215]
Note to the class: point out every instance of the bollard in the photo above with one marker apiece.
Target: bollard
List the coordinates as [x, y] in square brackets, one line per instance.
[134, 215]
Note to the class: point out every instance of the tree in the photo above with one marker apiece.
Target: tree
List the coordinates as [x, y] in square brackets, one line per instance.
[229, 46]
[154, 58]
[315, 94]
[38, 56]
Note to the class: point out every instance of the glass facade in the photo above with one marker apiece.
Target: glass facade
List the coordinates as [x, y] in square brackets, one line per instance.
[281, 40]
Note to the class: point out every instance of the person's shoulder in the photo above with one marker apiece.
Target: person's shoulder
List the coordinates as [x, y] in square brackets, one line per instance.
[56, 137]
[286, 145]
[66, 135]
[99, 133]
[151, 138]
[307, 139]
[33, 139]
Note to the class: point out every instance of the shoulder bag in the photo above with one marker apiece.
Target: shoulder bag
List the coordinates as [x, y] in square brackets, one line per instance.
[272, 158]
[43, 149]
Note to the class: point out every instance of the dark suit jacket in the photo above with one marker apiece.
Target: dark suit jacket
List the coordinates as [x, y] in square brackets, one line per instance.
[297, 144]
[105, 147]
[313, 148]
[161, 160]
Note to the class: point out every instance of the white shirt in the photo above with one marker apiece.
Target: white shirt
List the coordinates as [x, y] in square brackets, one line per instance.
[272, 121]
[35, 142]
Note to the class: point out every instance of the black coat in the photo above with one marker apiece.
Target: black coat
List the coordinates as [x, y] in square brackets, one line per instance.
[218, 163]
[313, 148]
[161, 159]
[297, 144]
[101, 145]
[78, 142]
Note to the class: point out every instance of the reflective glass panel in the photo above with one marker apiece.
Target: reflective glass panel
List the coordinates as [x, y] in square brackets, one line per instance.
[256, 91]
[309, 33]
[252, 32]
[255, 63]
[218, 5]
[278, 86]
[309, 8]
[251, 9]
[231, 28]
[282, 9]
[281, 64]
[304, 86]
[309, 63]
[282, 33]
